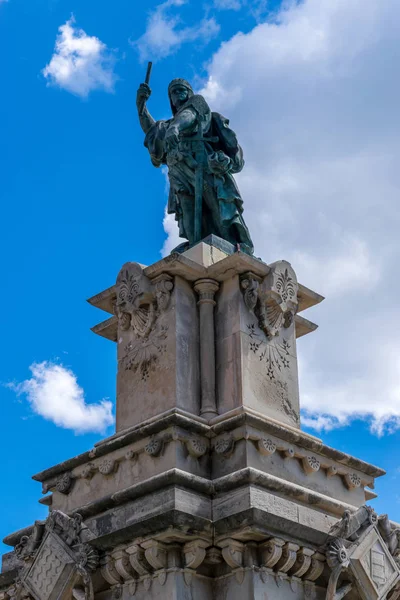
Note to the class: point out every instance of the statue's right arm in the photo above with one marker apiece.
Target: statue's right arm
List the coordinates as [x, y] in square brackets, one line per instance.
[145, 118]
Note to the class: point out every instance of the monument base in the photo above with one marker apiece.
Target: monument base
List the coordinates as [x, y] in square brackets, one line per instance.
[209, 488]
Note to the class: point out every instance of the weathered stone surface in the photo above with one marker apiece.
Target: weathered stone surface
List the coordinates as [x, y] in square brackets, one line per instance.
[208, 488]
[158, 352]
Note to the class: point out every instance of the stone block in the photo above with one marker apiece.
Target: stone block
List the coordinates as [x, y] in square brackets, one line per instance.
[158, 346]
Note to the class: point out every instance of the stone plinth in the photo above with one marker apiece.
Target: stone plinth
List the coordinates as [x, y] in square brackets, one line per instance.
[209, 488]
[158, 346]
[208, 331]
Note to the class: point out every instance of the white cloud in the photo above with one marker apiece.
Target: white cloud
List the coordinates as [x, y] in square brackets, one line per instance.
[80, 63]
[165, 32]
[54, 393]
[313, 98]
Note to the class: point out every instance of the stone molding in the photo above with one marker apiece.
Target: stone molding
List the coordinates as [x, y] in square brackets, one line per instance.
[267, 428]
[197, 446]
[224, 444]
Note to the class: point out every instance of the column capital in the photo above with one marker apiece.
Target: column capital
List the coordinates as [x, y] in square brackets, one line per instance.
[206, 288]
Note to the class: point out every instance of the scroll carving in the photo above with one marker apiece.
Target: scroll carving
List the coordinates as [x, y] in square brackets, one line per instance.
[195, 553]
[232, 552]
[271, 552]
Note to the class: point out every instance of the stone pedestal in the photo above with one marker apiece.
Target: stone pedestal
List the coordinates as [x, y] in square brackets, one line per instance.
[209, 488]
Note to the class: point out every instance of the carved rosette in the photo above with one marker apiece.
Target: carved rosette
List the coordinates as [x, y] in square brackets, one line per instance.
[108, 466]
[224, 445]
[64, 483]
[266, 446]
[196, 447]
[311, 464]
[353, 481]
[139, 305]
[154, 446]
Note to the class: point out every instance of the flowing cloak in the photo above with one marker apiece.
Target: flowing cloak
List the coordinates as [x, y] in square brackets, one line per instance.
[221, 196]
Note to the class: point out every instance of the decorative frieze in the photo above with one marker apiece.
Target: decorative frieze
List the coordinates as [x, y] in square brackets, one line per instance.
[225, 444]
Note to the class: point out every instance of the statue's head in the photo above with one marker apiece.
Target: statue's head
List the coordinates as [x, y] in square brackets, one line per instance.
[179, 91]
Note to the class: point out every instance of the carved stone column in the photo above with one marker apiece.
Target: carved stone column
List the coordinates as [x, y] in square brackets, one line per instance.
[206, 289]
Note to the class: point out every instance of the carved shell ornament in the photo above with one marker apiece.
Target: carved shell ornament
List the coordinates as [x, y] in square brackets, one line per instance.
[273, 300]
[135, 304]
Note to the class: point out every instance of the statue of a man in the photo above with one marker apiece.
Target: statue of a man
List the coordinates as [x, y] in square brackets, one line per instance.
[202, 154]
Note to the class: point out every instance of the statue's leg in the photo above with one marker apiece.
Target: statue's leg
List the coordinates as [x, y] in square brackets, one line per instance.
[187, 207]
[213, 222]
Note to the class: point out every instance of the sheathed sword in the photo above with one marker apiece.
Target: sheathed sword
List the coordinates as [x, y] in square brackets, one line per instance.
[200, 157]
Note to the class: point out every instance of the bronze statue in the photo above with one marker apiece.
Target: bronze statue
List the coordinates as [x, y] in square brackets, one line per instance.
[202, 154]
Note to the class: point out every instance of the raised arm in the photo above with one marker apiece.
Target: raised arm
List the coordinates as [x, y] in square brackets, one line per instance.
[145, 118]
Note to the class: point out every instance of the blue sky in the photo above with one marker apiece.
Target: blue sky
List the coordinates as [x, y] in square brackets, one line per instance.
[311, 93]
